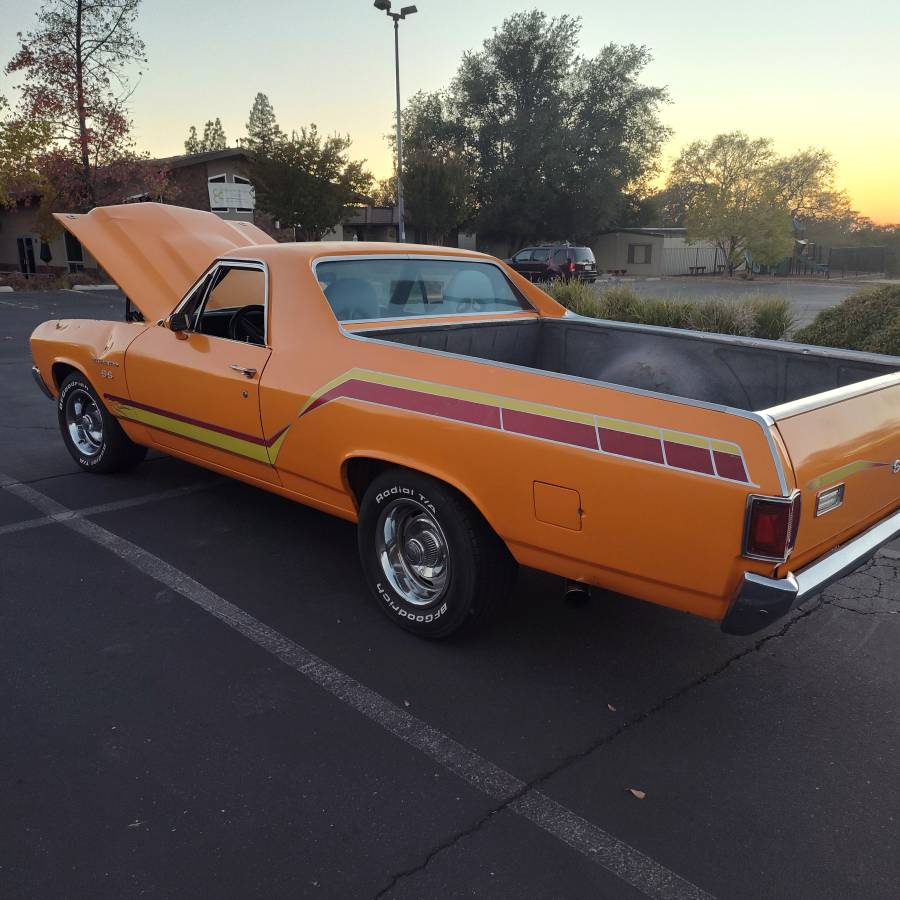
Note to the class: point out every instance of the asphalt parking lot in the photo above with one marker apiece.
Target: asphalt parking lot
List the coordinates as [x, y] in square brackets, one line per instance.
[808, 297]
[197, 699]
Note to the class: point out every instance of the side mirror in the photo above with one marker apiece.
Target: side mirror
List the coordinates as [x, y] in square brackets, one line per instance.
[179, 321]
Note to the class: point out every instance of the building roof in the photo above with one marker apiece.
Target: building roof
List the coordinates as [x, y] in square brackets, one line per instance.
[192, 159]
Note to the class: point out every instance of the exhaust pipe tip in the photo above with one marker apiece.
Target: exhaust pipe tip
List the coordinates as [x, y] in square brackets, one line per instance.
[576, 594]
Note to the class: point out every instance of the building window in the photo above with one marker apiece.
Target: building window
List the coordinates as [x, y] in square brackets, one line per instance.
[239, 179]
[640, 254]
[217, 194]
[74, 253]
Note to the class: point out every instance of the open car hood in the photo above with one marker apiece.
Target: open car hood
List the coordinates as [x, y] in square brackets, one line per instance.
[155, 252]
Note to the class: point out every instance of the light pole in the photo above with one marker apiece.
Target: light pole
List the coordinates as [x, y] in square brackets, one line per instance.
[385, 6]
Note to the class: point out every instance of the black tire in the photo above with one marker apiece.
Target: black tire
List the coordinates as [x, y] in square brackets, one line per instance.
[103, 446]
[479, 572]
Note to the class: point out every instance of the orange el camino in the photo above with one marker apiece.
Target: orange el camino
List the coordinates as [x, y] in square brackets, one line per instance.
[468, 423]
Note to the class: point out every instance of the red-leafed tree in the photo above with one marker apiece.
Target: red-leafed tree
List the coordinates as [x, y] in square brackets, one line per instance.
[78, 66]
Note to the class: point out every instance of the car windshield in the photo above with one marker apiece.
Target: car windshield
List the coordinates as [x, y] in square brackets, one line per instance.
[387, 288]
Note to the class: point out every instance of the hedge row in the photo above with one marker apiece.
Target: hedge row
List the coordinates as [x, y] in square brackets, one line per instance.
[765, 317]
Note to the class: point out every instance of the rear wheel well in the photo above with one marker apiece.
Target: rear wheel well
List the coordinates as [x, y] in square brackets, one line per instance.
[61, 371]
[361, 471]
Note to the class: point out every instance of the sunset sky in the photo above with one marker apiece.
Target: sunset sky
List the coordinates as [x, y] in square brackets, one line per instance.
[808, 73]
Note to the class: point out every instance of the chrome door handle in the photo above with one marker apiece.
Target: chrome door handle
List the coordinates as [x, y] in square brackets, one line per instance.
[249, 373]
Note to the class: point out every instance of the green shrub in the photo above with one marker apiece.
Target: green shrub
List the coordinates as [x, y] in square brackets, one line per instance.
[769, 317]
[868, 320]
[773, 318]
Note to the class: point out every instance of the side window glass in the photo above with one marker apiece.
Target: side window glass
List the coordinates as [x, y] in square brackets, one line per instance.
[522, 256]
[235, 305]
[541, 255]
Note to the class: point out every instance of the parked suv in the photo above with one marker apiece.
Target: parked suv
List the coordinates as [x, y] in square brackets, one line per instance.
[548, 262]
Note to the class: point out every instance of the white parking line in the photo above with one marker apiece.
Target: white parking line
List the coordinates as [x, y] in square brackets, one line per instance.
[113, 506]
[630, 865]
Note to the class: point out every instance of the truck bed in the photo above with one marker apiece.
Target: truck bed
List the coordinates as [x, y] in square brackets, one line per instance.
[742, 373]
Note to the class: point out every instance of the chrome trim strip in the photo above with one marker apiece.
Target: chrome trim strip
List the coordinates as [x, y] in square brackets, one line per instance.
[761, 419]
[237, 262]
[39, 379]
[816, 577]
[836, 395]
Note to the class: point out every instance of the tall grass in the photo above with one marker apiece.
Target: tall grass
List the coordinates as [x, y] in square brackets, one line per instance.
[764, 317]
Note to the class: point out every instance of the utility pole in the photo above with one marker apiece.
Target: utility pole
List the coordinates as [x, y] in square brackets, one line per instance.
[405, 11]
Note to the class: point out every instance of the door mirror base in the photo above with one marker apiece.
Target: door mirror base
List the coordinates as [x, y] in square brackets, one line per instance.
[179, 322]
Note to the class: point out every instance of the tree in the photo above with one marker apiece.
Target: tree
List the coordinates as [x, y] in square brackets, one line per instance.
[213, 136]
[76, 66]
[437, 180]
[556, 141]
[804, 183]
[192, 144]
[738, 193]
[307, 180]
[22, 144]
[262, 128]
[730, 195]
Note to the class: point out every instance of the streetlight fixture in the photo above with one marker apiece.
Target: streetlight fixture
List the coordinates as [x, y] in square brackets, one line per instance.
[385, 6]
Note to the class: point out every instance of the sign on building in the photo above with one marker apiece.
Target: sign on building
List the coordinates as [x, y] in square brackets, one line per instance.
[231, 196]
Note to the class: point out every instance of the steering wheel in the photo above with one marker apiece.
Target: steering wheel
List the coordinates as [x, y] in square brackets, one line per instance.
[244, 324]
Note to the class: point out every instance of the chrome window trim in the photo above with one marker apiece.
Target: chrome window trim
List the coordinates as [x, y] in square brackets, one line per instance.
[786, 501]
[761, 419]
[234, 263]
[486, 260]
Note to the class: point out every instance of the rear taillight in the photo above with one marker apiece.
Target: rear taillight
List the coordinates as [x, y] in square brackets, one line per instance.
[771, 528]
[571, 265]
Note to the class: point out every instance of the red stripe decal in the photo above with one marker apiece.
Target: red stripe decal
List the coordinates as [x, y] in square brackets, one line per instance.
[559, 430]
[249, 438]
[636, 446]
[422, 402]
[730, 466]
[685, 456]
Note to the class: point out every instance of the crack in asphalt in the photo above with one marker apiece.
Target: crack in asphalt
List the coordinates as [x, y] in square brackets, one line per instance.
[570, 760]
[862, 612]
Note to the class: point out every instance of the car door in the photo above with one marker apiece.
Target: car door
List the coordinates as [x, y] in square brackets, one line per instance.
[521, 262]
[539, 263]
[197, 390]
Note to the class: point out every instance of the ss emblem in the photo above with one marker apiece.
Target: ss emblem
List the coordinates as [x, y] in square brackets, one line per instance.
[895, 468]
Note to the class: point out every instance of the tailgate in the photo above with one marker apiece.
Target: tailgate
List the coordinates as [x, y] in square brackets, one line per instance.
[854, 442]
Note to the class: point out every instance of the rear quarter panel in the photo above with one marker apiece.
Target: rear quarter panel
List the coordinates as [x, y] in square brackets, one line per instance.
[652, 531]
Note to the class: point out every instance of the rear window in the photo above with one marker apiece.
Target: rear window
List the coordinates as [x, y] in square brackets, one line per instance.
[584, 254]
[399, 288]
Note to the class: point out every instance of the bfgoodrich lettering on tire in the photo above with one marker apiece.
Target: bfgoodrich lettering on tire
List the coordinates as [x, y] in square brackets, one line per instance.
[90, 432]
[432, 563]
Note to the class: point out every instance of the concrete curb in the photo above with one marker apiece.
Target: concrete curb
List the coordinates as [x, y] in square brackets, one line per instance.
[6, 288]
[95, 287]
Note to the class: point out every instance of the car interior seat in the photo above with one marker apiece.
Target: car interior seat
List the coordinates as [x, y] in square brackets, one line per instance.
[352, 298]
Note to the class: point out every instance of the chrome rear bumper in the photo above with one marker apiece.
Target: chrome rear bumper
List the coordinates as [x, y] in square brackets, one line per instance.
[762, 600]
[36, 374]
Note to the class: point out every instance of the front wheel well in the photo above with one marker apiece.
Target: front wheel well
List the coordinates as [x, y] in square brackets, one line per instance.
[61, 371]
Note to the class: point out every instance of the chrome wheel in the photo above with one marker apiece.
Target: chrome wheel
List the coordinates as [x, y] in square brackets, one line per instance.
[413, 552]
[84, 422]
